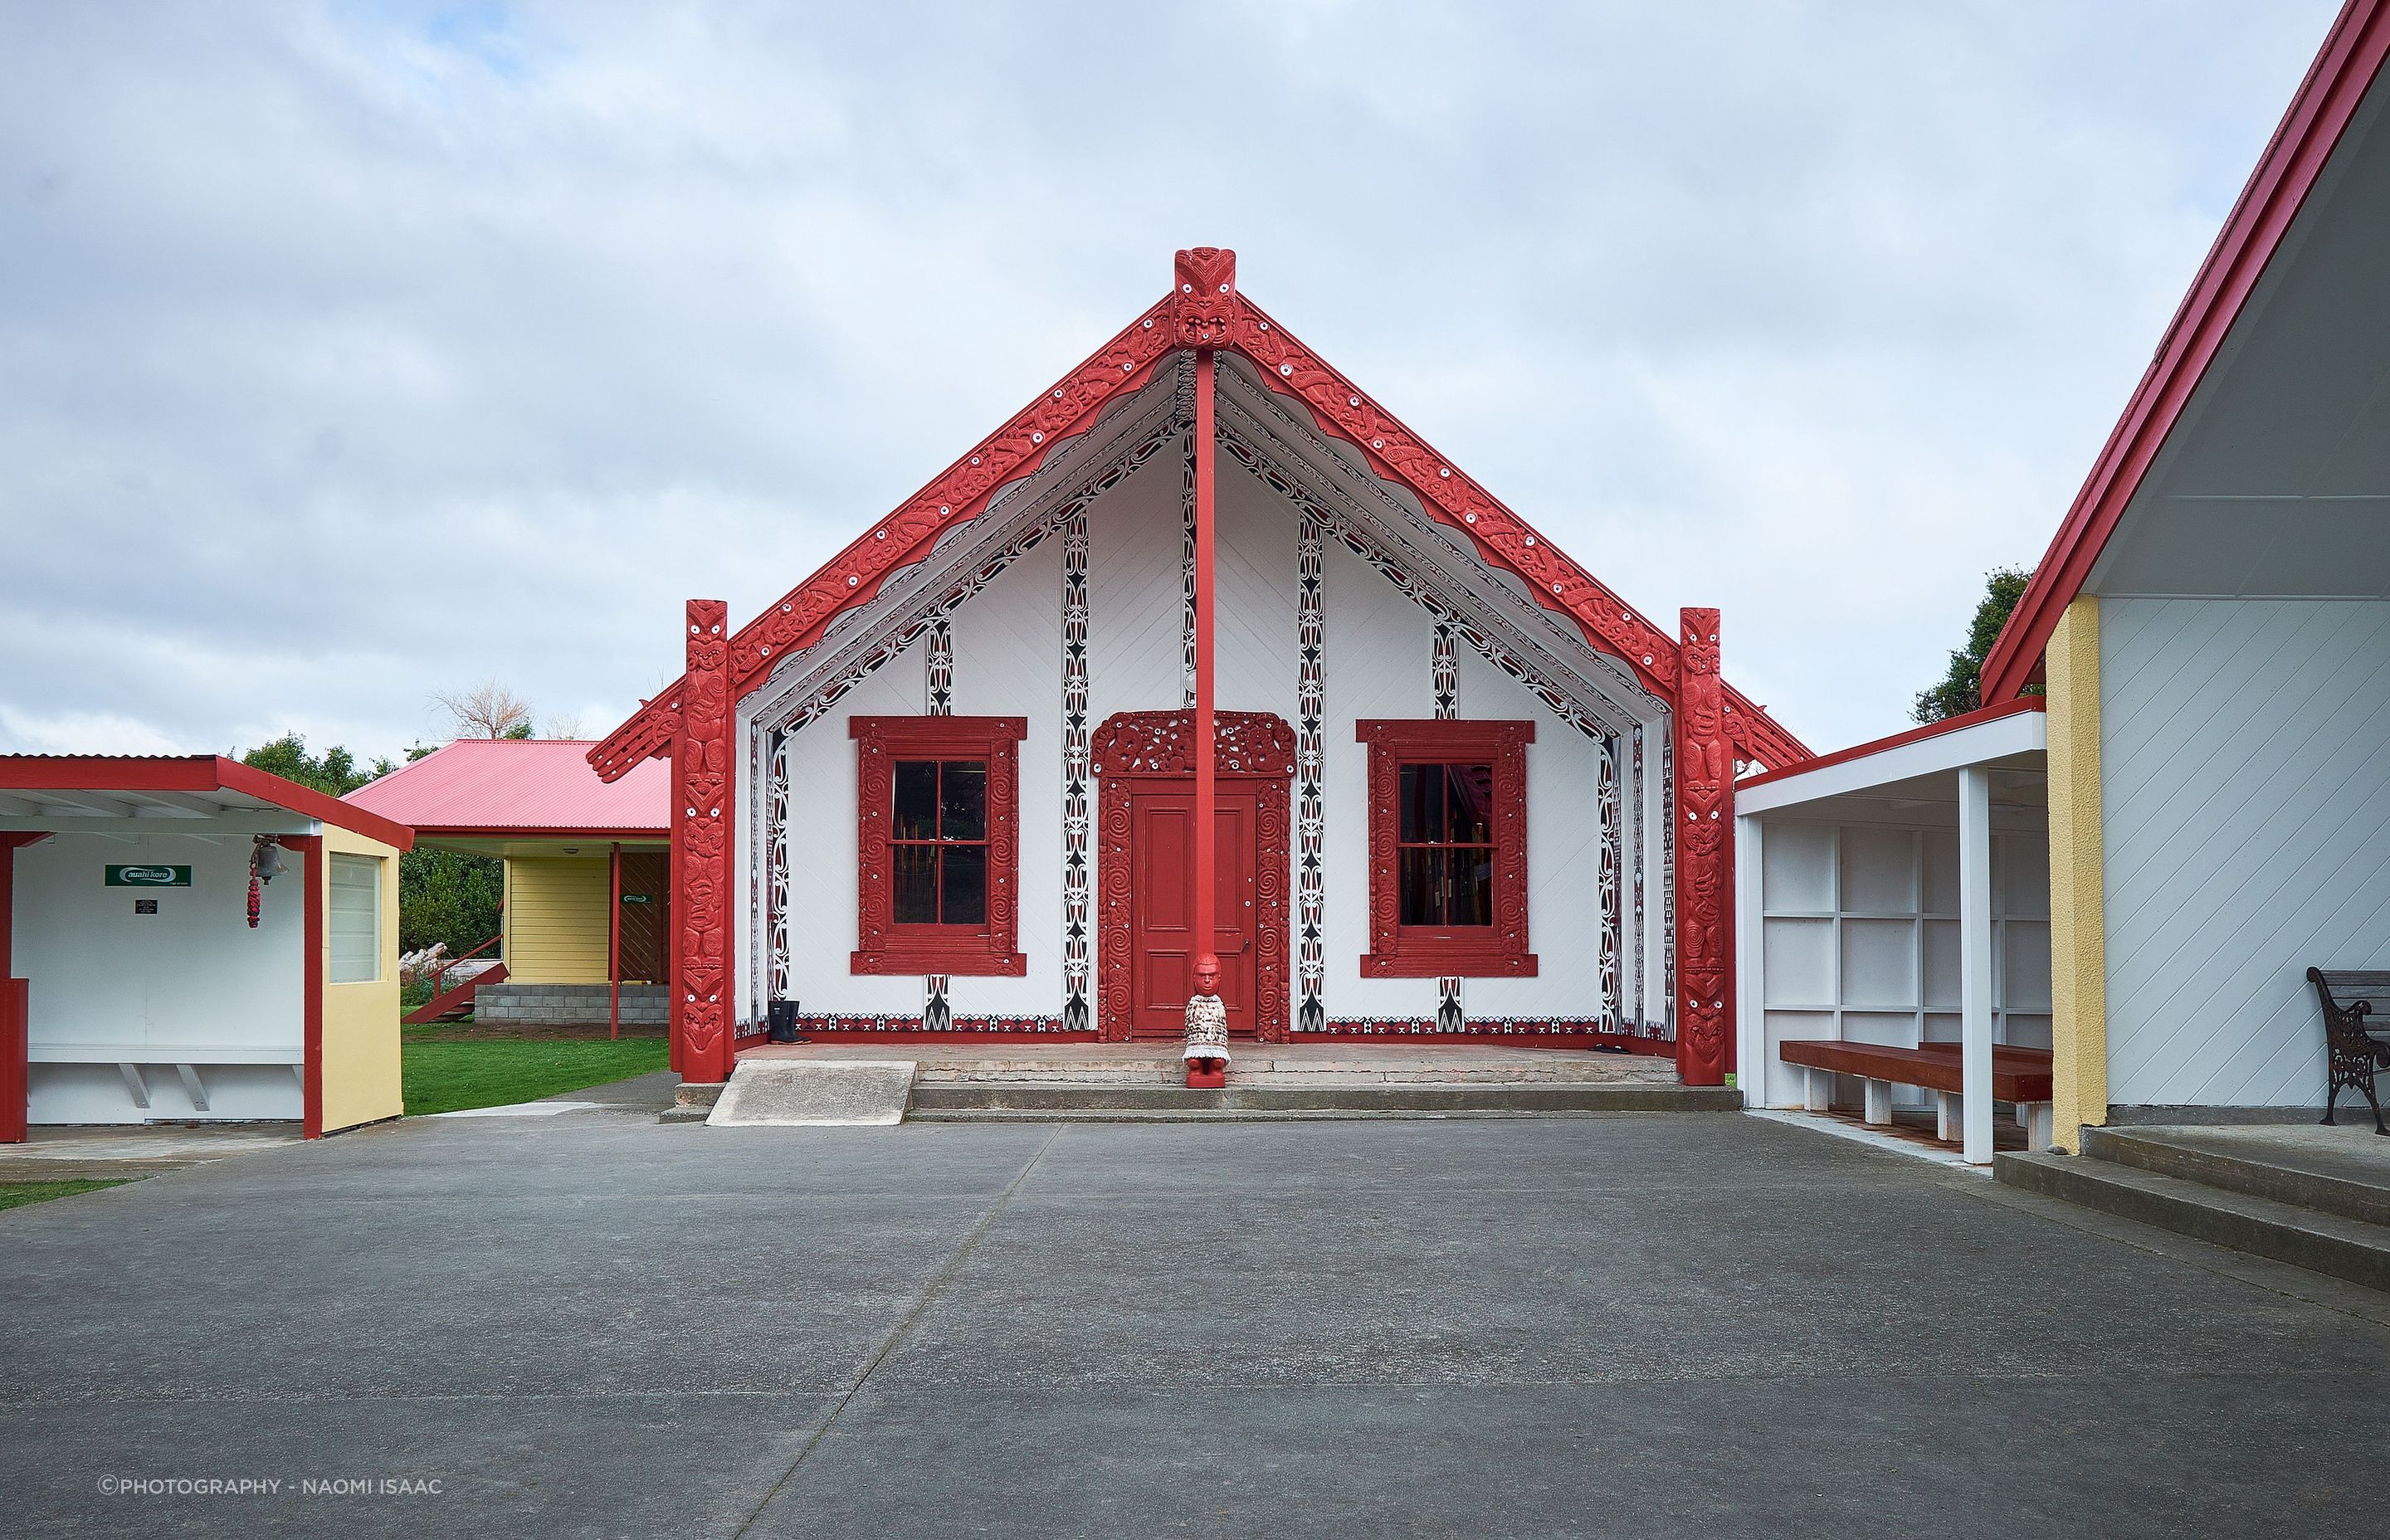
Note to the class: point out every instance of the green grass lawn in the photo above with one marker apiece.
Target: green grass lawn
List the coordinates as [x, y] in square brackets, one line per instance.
[17, 1194]
[449, 1076]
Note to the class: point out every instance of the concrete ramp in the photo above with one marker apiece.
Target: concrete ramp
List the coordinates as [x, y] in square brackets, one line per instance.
[814, 1093]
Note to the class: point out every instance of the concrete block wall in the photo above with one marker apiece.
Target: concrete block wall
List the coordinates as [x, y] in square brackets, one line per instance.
[566, 1004]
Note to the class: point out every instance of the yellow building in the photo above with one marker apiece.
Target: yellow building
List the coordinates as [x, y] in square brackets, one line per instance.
[583, 935]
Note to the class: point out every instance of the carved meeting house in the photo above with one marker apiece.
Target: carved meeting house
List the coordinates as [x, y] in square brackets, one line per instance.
[945, 784]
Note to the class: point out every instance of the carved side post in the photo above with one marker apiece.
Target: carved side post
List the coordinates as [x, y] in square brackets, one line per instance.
[1704, 916]
[701, 822]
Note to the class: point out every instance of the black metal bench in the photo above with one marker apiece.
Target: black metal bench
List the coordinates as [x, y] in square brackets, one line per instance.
[2355, 1050]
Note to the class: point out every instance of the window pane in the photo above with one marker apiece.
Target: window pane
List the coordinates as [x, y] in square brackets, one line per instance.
[916, 800]
[354, 935]
[966, 885]
[1470, 788]
[1422, 803]
[962, 799]
[1420, 877]
[916, 884]
[1472, 902]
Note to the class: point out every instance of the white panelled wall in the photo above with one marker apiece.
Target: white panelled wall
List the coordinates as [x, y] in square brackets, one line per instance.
[1007, 660]
[188, 984]
[2245, 795]
[1860, 940]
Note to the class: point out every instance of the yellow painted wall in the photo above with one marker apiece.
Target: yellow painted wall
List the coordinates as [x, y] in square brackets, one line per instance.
[555, 924]
[2079, 937]
[360, 1080]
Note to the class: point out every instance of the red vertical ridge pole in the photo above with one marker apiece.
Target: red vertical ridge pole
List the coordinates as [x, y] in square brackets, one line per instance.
[1207, 799]
[311, 973]
[614, 938]
[1704, 844]
[701, 823]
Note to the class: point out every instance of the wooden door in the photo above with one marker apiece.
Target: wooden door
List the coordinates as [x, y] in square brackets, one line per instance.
[647, 915]
[1162, 907]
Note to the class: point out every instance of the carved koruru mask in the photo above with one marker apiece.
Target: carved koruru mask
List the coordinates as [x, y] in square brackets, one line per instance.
[1207, 975]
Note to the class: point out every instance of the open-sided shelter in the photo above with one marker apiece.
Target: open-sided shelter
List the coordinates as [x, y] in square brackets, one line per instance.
[153, 966]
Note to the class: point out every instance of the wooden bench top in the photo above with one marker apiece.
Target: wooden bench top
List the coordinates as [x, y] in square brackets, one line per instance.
[2018, 1074]
[2346, 986]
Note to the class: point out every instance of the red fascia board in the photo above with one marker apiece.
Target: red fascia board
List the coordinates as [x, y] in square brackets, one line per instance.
[1975, 718]
[661, 834]
[193, 773]
[2334, 87]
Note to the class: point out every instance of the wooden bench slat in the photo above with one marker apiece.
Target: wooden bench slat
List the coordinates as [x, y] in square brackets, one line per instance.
[2018, 1074]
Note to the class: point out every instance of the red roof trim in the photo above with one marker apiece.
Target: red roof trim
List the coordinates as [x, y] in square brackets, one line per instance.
[192, 772]
[1899, 740]
[2302, 146]
[1205, 309]
[659, 835]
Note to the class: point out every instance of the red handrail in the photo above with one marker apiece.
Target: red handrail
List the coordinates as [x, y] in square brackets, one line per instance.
[441, 973]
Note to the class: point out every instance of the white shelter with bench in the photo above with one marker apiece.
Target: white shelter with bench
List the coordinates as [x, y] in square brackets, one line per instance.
[143, 979]
[1893, 930]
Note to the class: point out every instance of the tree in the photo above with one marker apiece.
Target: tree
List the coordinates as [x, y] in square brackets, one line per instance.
[446, 896]
[488, 710]
[335, 774]
[1962, 688]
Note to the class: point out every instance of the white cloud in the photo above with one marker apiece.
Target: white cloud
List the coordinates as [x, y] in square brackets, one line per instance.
[361, 351]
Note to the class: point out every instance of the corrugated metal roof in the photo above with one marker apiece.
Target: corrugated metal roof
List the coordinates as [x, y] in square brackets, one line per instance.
[498, 786]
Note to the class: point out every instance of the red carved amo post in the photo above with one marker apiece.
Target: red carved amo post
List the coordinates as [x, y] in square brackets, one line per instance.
[1704, 840]
[702, 821]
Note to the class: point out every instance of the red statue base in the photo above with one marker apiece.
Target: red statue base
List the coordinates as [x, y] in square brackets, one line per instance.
[1207, 1074]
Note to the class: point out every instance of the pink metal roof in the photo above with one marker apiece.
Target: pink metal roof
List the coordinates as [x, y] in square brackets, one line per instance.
[533, 786]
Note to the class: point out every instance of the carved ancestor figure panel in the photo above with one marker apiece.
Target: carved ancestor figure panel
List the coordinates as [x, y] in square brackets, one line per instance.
[1704, 851]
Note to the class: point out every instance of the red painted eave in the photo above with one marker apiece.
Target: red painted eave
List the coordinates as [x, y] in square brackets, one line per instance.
[2336, 85]
[1897, 740]
[194, 774]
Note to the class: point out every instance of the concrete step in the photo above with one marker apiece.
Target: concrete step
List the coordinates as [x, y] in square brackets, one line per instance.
[691, 1103]
[2152, 1150]
[2331, 1243]
[1051, 1100]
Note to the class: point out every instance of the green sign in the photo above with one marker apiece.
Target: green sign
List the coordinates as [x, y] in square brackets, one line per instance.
[146, 876]
[637, 898]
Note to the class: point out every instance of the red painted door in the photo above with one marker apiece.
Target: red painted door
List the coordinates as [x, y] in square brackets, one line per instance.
[1162, 907]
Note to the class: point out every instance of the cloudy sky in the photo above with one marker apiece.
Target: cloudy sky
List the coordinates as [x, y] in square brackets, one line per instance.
[351, 352]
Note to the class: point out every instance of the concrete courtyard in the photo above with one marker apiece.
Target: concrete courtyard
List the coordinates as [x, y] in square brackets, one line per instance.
[1633, 1324]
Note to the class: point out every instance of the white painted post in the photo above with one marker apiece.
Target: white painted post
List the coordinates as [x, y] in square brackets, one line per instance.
[1975, 961]
[1817, 1091]
[1879, 1102]
[1945, 1116]
[1753, 1060]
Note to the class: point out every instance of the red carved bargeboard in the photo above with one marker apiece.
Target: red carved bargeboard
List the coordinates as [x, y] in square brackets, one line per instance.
[1705, 858]
[701, 822]
[1157, 747]
[1204, 308]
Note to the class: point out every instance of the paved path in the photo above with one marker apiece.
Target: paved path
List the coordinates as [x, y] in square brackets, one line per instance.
[1636, 1324]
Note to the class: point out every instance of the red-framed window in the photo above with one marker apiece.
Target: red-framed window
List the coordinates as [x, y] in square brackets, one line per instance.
[1447, 849]
[937, 847]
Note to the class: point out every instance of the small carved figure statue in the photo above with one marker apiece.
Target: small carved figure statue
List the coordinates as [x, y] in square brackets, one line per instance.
[1207, 1027]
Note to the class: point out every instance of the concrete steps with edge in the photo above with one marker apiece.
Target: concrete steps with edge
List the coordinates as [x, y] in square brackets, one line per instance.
[2329, 1243]
[2151, 1149]
[1028, 1100]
